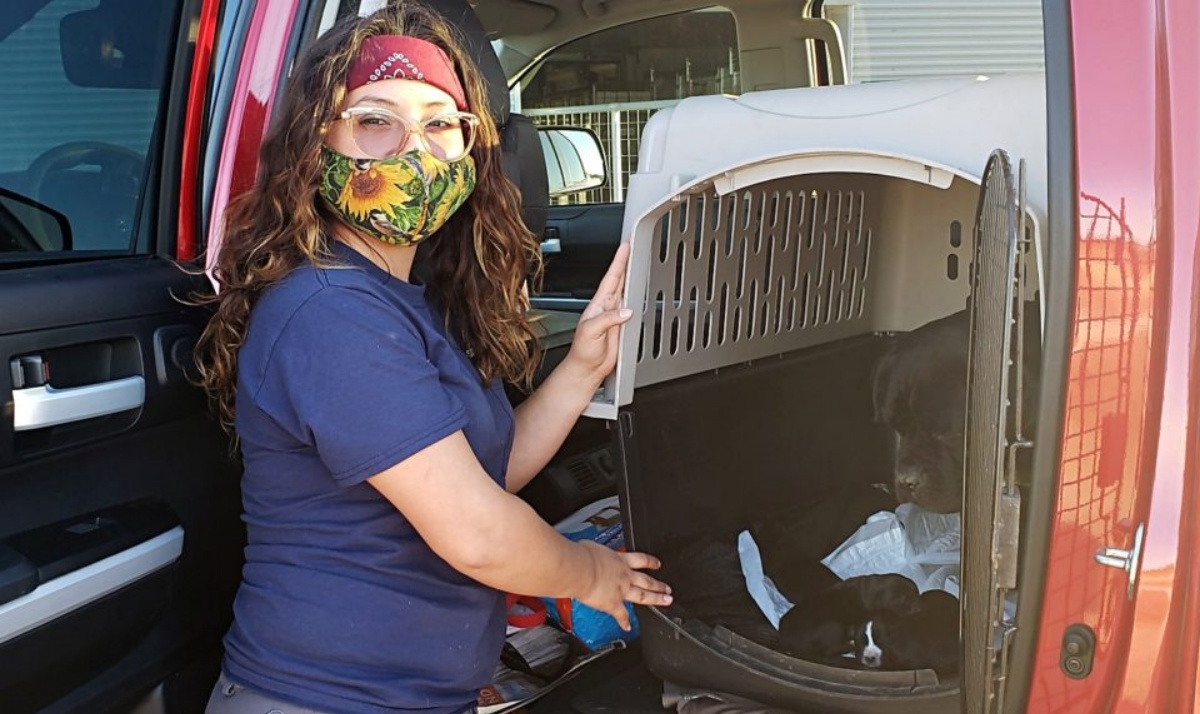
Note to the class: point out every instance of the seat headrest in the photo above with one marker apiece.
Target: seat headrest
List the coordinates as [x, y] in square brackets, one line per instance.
[460, 14]
[521, 148]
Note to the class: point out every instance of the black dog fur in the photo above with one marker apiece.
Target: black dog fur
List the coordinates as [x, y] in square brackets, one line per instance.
[874, 622]
[926, 638]
[920, 393]
[919, 389]
[822, 627]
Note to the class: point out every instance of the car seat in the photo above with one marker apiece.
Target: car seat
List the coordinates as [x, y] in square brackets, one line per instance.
[522, 149]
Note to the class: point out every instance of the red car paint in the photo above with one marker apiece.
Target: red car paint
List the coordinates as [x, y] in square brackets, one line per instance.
[258, 77]
[189, 167]
[1130, 438]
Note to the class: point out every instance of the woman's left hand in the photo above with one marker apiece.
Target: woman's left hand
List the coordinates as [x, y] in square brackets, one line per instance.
[593, 352]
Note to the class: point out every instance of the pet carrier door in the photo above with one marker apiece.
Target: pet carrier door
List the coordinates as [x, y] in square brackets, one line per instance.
[991, 509]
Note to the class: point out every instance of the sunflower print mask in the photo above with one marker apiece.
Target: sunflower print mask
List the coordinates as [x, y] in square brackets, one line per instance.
[401, 200]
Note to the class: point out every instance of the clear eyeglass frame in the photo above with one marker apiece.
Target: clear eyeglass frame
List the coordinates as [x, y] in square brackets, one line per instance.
[468, 122]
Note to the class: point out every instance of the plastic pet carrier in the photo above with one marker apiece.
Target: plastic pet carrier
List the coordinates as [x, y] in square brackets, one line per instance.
[780, 241]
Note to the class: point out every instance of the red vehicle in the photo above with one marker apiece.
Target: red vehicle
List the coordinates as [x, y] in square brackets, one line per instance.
[126, 126]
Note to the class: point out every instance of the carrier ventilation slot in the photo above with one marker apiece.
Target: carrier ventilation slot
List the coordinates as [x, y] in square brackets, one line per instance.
[754, 273]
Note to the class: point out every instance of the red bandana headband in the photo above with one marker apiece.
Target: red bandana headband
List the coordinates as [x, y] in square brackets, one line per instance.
[402, 57]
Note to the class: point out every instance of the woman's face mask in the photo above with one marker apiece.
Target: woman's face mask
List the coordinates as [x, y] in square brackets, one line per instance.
[400, 200]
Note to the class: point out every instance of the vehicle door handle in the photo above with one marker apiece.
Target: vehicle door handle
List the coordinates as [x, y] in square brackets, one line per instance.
[551, 245]
[40, 407]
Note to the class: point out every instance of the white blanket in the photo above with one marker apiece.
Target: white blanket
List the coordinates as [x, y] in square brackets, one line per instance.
[920, 545]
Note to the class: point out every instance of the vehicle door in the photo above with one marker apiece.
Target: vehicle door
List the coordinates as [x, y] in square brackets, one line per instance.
[120, 541]
[1117, 629]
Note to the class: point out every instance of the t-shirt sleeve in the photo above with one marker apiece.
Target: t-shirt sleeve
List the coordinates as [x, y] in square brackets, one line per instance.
[350, 375]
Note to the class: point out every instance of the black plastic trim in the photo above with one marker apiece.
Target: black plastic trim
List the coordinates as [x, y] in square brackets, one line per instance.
[44, 668]
[73, 543]
[18, 576]
[169, 131]
[86, 296]
[304, 31]
[1059, 302]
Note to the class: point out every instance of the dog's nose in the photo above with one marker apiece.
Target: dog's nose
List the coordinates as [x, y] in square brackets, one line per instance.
[871, 660]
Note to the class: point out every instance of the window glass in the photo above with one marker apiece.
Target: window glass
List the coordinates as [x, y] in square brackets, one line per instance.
[612, 81]
[81, 81]
[912, 39]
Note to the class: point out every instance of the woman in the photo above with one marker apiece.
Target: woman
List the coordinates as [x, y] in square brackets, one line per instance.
[380, 451]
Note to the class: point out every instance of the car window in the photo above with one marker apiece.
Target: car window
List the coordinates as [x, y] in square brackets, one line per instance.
[888, 40]
[613, 81]
[82, 82]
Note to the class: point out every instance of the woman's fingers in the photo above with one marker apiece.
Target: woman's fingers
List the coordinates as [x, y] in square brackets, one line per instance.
[647, 590]
[614, 278]
[596, 342]
[618, 288]
[644, 589]
[649, 598]
[601, 303]
[645, 582]
[621, 615]
[598, 325]
[641, 561]
[611, 288]
[620, 579]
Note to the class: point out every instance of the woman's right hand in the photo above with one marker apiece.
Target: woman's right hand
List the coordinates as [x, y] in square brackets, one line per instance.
[617, 579]
[497, 539]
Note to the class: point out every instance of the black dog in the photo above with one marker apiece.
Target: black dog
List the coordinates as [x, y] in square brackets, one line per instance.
[823, 626]
[920, 392]
[926, 638]
[919, 389]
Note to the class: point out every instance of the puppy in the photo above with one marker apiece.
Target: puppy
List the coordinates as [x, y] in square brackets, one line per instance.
[926, 638]
[822, 627]
[866, 641]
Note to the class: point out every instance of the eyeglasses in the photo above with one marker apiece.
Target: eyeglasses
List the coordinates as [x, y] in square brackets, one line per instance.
[379, 134]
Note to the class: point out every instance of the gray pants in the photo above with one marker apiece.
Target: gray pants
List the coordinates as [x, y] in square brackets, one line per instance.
[230, 698]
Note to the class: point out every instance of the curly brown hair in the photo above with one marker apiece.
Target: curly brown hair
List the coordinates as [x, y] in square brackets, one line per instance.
[476, 267]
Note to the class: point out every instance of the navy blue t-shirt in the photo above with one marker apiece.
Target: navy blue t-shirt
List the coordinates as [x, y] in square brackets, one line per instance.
[344, 373]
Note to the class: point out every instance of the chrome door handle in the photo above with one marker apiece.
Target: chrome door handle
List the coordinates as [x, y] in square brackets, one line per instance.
[551, 245]
[40, 407]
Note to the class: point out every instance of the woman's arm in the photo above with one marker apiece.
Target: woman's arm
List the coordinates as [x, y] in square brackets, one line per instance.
[547, 416]
[497, 539]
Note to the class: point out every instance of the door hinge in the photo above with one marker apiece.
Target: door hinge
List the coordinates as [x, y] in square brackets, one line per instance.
[1129, 561]
[1008, 525]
